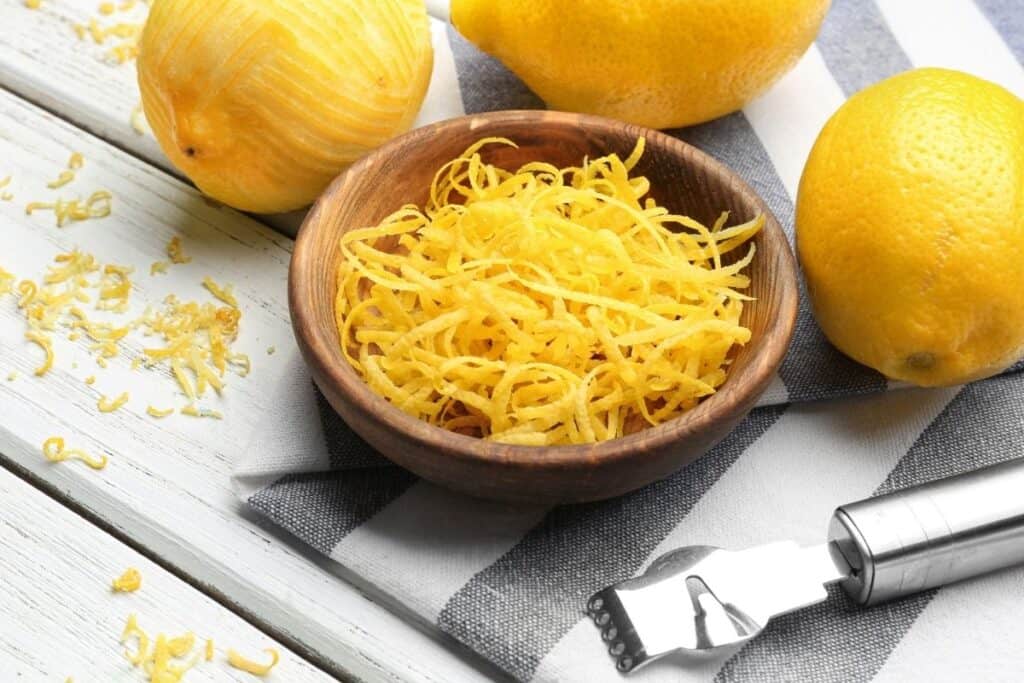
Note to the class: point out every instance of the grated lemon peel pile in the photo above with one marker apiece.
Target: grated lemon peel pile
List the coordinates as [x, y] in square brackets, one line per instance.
[167, 659]
[544, 306]
[192, 340]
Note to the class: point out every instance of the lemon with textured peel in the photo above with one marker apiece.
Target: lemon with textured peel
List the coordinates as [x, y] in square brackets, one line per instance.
[658, 63]
[262, 102]
[910, 227]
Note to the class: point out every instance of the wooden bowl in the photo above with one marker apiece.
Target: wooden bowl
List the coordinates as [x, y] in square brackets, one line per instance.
[682, 178]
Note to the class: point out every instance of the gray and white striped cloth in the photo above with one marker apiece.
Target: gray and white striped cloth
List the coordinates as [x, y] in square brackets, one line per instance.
[510, 582]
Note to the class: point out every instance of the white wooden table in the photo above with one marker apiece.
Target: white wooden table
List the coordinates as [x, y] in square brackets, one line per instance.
[164, 503]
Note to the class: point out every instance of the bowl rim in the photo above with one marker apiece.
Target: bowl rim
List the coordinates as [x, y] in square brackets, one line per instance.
[759, 372]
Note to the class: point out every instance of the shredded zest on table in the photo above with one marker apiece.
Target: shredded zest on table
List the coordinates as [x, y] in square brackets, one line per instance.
[74, 210]
[159, 413]
[6, 282]
[225, 294]
[545, 306]
[158, 267]
[129, 582]
[197, 341]
[175, 251]
[209, 650]
[255, 668]
[163, 662]
[54, 451]
[197, 337]
[106, 404]
[193, 411]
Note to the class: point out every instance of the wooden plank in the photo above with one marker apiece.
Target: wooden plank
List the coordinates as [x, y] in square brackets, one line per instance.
[167, 485]
[43, 60]
[60, 617]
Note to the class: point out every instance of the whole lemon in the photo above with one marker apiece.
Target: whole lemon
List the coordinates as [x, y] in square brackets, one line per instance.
[262, 102]
[657, 63]
[910, 227]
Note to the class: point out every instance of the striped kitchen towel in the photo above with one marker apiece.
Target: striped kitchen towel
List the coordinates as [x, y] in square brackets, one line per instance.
[510, 582]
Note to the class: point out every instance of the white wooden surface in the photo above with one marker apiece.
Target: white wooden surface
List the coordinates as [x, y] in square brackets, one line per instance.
[59, 618]
[167, 487]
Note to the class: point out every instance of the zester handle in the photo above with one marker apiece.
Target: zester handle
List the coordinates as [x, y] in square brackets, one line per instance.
[931, 535]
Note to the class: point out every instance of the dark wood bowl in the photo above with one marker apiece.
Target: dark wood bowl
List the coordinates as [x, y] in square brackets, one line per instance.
[682, 178]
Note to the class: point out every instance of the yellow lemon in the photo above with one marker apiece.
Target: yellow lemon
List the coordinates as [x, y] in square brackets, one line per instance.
[658, 63]
[910, 227]
[262, 102]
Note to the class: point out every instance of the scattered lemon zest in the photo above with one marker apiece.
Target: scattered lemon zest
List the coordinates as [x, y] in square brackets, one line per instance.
[256, 669]
[159, 412]
[209, 650]
[197, 340]
[106, 8]
[115, 288]
[175, 252]
[131, 628]
[46, 344]
[107, 405]
[225, 293]
[101, 361]
[158, 267]
[76, 161]
[546, 305]
[63, 179]
[193, 411]
[159, 662]
[6, 282]
[271, 350]
[91, 379]
[54, 451]
[96, 206]
[129, 582]
[33, 4]
[4, 182]
[11, 376]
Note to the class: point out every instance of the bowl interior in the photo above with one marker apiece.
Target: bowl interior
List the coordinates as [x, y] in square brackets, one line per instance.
[682, 179]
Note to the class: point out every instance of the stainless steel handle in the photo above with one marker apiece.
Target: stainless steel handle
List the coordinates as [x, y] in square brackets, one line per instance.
[932, 535]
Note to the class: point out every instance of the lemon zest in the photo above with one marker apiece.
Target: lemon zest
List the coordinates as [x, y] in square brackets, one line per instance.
[63, 179]
[255, 668]
[46, 344]
[106, 404]
[225, 293]
[193, 411]
[129, 582]
[132, 629]
[54, 451]
[6, 282]
[175, 251]
[91, 379]
[158, 412]
[546, 305]
[158, 267]
[96, 206]
[208, 655]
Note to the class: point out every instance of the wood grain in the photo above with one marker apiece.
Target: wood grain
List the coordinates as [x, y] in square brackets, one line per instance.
[168, 483]
[61, 619]
[682, 178]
